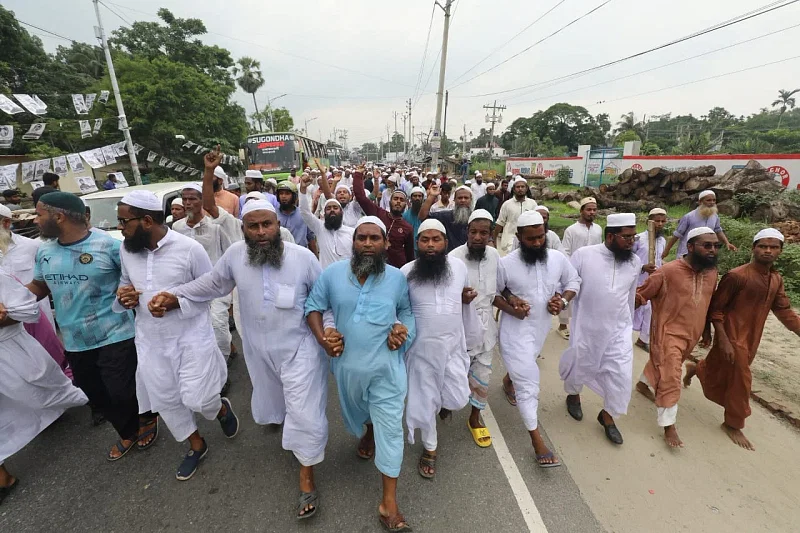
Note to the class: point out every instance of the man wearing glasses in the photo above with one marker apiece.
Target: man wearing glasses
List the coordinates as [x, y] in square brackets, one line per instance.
[600, 353]
[680, 293]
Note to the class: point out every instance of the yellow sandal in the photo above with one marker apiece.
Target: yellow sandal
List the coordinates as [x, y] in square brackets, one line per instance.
[481, 436]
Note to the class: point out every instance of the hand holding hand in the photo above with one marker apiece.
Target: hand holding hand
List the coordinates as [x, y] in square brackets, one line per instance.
[128, 296]
[3, 313]
[161, 303]
[649, 268]
[555, 305]
[397, 336]
[333, 342]
[468, 294]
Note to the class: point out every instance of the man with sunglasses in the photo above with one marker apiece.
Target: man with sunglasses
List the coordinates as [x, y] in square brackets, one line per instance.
[600, 353]
[680, 293]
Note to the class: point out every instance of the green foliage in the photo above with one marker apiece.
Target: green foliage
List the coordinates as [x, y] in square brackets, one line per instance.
[749, 201]
[562, 176]
[694, 145]
[283, 120]
[564, 124]
[651, 149]
[625, 136]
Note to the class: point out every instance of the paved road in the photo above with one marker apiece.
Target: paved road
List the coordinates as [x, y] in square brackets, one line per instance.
[249, 483]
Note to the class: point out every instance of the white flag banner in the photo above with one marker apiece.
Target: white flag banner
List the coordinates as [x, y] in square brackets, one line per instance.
[80, 104]
[86, 184]
[109, 154]
[189, 145]
[122, 123]
[151, 156]
[8, 176]
[60, 165]
[42, 105]
[30, 104]
[162, 162]
[119, 149]
[9, 106]
[86, 129]
[180, 168]
[28, 171]
[6, 136]
[89, 98]
[90, 156]
[98, 154]
[188, 170]
[98, 123]
[137, 148]
[103, 97]
[35, 131]
[171, 164]
[75, 163]
[194, 172]
[121, 181]
[37, 185]
[198, 149]
[42, 166]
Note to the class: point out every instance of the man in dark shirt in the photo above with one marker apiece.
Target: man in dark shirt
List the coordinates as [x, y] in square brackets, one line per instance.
[489, 201]
[455, 221]
[400, 248]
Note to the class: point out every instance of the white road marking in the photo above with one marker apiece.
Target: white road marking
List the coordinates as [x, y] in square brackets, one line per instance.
[524, 499]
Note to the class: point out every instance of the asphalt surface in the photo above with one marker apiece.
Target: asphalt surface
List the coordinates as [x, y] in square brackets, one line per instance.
[249, 483]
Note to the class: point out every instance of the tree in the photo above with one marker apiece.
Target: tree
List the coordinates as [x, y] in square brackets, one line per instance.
[250, 80]
[785, 101]
[694, 145]
[85, 58]
[651, 149]
[628, 123]
[626, 136]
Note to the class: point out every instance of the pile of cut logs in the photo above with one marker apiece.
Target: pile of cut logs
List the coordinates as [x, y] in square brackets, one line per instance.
[658, 183]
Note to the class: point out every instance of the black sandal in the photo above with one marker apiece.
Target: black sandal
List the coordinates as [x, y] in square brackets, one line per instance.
[427, 461]
[307, 498]
[153, 430]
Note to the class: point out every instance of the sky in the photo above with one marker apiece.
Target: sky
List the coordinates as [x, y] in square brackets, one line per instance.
[350, 65]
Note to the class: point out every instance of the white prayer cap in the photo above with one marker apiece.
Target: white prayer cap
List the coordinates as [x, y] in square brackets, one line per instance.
[219, 173]
[194, 186]
[453, 180]
[480, 214]
[253, 174]
[143, 200]
[657, 211]
[463, 188]
[588, 200]
[490, 184]
[257, 205]
[272, 181]
[519, 179]
[372, 220]
[394, 177]
[420, 190]
[702, 230]
[255, 195]
[468, 182]
[431, 223]
[414, 174]
[331, 201]
[621, 220]
[341, 186]
[542, 208]
[705, 193]
[328, 175]
[509, 174]
[177, 201]
[478, 173]
[768, 233]
[5, 212]
[530, 218]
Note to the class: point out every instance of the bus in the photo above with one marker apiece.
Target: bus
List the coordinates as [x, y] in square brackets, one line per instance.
[338, 156]
[276, 154]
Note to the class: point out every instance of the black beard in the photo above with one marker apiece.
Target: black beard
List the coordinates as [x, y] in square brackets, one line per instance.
[333, 222]
[620, 254]
[396, 213]
[461, 214]
[49, 229]
[217, 186]
[430, 269]
[532, 255]
[702, 262]
[476, 254]
[416, 205]
[137, 242]
[270, 254]
[364, 265]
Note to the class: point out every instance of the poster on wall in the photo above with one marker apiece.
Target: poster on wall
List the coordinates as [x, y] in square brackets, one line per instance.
[86, 184]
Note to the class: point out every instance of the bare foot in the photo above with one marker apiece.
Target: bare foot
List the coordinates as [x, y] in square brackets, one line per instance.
[366, 446]
[691, 371]
[645, 391]
[671, 437]
[738, 437]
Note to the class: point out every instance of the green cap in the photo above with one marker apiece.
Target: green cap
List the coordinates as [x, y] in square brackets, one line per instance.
[64, 200]
[288, 186]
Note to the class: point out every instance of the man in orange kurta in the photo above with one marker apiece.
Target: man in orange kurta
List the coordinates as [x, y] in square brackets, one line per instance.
[738, 312]
[680, 293]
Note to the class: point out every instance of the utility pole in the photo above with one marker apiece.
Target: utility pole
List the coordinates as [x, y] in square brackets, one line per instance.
[444, 128]
[394, 114]
[436, 144]
[410, 125]
[493, 118]
[126, 131]
[405, 138]
[343, 137]
[464, 143]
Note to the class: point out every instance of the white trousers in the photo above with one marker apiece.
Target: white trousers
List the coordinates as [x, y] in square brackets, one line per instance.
[665, 416]
[219, 321]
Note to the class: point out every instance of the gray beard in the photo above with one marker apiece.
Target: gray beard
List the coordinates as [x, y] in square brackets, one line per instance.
[364, 265]
[5, 240]
[707, 212]
[461, 214]
[270, 255]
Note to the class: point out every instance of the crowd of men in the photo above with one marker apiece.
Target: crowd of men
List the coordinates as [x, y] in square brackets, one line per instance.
[390, 280]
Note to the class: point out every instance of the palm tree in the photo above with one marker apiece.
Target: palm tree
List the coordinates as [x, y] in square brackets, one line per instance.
[786, 101]
[628, 123]
[250, 79]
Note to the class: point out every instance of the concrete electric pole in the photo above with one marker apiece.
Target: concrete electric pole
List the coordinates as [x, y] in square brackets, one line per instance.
[493, 118]
[437, 132]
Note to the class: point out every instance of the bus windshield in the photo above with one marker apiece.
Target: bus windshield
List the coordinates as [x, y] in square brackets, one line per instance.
[275, 152]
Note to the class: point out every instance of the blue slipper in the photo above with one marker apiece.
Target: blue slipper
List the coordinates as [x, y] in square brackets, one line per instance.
[229, 422]
[548, 455]
[122, 449]
[190, 463]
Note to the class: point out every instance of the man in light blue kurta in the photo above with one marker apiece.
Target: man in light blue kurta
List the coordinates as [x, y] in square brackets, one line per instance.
[370, 303]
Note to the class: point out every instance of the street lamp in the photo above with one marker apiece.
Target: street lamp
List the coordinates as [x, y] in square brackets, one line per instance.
[269, 106]
[305, 130]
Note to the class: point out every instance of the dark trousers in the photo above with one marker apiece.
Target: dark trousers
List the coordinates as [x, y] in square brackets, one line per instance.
[107, 375]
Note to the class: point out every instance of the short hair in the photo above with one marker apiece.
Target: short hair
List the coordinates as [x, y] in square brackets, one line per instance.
[504, 181]
[612, 231]
[49, 178]
[8, 193]
[446, 187]
[157, 216]
[73, 217]
[756, 242]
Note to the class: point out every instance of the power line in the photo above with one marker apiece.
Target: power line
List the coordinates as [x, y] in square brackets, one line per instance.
[47, 31]
[433, 66]
[650, 69]
[526, 28]
[534, 44]
[424, 52]
[730, 22]
[117, 14]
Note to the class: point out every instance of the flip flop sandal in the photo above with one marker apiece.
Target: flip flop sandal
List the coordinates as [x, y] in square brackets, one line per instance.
[307, 498]
[548, 455]
[426, 461]
[391, 523]
[511, 397]
[481, 436]
[153, 430]
[5, 491]
[366, 453]
[564, 334]
[122, 449]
